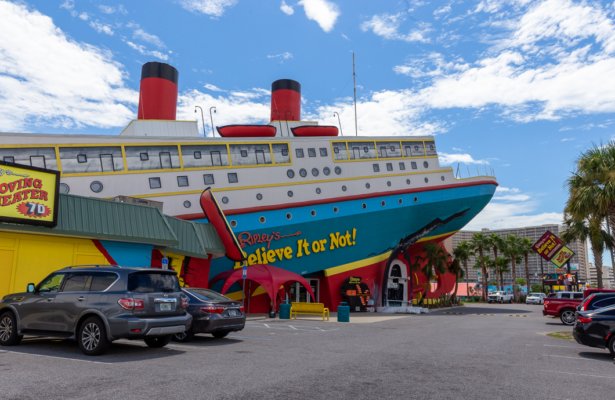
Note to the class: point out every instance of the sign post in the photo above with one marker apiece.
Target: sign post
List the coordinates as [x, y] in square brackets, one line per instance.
[244, 276]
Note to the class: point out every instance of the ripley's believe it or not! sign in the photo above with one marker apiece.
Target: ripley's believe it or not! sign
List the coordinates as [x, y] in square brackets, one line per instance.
[28, 195]
[552, 248]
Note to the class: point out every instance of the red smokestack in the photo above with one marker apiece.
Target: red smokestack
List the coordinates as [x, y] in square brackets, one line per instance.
[285, 100]
[158, 92]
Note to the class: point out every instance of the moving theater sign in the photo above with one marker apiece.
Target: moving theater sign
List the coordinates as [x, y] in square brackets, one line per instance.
[28, 195]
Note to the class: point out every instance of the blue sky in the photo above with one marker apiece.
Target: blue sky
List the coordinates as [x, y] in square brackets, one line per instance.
[515, 87]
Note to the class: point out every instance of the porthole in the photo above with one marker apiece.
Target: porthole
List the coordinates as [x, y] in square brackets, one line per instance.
[225, 200]
[315, 171]
[400, 201]
[338, 170]
[363, 205]
[326, 171]
[318, 191]
[416, 199]
[289, 216]
[336, 210]
[64, 188]
[233, 223]
[425, 164]
[313, 213]
[389, 183]
[383, 203]
[367, 185]
[290, 173]
[187, 204]
[344, 188]
[259, 196]
[426, 179]
[303, 172]
[290, 193]
[97, 186]
[262, 220]
[407, 181]
[442, 178]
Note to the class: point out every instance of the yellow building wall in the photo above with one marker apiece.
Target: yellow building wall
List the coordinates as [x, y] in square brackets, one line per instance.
[26, 258]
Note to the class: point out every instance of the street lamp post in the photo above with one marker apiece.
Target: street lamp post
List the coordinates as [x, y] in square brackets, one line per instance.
[339, 122]
[202, 118]
[212, 119]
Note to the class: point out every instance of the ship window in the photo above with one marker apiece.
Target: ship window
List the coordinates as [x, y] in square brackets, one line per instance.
[232, 177]
[389, 183]
[413, 165]
[315, 171]
[414, 149]
[82, 158]
[312, 152]
[144, 156]
[182, 181]
[195, 156]
[289, 216]
[442, 178]
[376, 167]
[91, 159]
[244, 153]
[303, 172]
[165, 159]
[290, 173]
[64, 188]
[344, 188]
[262, 220]
[299, 153]
[426, 179]
[44, 156]
[313, 213]
[96, 187]
[338, 170]
[233, 223]
[339, 149]
[408, 181]
[336, 210]
[208, 179]
[431, 148]
[389, 149]
[138, 157]
[154, 183]
[425, 164]
[259, 196]
[318, 191]
[250, 154]
[225, 200]
[323, 151]
[280, 152]
[289, 193]
[367, 185]
[383, 203]
[402, 166]
[326, 171]
[187, 204]
[363, 150]
[389, 166]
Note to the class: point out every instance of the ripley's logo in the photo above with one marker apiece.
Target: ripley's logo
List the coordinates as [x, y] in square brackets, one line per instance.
[248, 239]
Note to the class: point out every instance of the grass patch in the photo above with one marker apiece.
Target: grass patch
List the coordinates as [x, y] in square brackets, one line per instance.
[561, 335]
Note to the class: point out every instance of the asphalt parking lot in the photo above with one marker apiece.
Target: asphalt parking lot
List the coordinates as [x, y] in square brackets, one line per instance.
[477, 352]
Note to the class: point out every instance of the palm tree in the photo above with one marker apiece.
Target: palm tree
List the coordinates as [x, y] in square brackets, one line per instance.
[462, 253]
[512, 250]
[496, 243]
[500, 266]
[526, 248]
[436, 261]
[479, 243]
[455, 268]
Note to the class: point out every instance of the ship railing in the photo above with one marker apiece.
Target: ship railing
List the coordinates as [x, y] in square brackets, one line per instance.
[471, 171]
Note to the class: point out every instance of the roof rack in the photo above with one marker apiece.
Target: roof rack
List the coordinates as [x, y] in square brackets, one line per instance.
[93, 266]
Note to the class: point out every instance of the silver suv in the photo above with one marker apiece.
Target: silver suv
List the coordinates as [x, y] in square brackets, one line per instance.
[96, 305]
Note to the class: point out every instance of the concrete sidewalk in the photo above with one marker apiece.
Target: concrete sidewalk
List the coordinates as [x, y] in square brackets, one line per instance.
[355, 318]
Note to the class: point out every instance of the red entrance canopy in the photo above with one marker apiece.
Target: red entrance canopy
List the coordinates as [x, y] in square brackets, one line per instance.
[269, 277]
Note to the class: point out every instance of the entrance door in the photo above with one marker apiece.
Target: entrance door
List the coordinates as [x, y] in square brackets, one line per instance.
[397, 291]
[298, 293]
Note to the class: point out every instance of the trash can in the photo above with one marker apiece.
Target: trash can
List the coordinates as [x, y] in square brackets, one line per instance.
[343, 312]
[285, 311]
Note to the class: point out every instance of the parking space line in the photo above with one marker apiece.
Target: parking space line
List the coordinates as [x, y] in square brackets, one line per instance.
[579, 374]
[563, 347]
[56, 357]
[572, 358]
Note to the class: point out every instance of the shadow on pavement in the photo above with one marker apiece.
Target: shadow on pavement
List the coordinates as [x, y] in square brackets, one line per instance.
[209, 341]
[479, 310]
[606, 357]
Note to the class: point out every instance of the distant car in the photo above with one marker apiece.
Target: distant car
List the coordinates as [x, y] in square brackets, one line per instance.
[597, 300]
[596, 328]
[211, 313]
[562, 305]
[96, 305]
[500, 297]
[535, 298]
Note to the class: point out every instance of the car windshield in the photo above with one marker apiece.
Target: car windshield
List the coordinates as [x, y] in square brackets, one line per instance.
[535, 294]
[207, 295]
[149, 282]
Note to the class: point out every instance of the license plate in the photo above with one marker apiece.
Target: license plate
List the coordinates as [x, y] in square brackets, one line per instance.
[233, 313]
[166, 307]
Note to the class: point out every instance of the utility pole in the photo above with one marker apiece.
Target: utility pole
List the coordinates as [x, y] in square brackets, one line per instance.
[354, 81]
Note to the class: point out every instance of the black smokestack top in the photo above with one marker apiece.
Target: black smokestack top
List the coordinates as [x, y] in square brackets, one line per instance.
[155, 69]
[158, 91]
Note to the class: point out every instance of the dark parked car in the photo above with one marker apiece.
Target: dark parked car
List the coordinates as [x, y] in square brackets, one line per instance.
[96, 305]
[596, 328]
[597, 300]
[211, 313]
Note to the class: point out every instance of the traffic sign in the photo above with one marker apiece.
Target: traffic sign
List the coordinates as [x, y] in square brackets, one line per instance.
[244, 272]
[165, 263]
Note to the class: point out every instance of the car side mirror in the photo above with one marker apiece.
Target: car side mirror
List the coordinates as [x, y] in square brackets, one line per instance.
[31, 288]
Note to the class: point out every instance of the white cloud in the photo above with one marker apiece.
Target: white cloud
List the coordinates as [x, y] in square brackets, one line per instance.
[213, 8]
[446, 9]
[146, 52]
[281, 57]
[432, 65]
[48, 79]
[462, 158]
[323, 12]
[140, 34]
[286, 9]
[212, 88]
[102, 28]
[120, 9]
[388, 27]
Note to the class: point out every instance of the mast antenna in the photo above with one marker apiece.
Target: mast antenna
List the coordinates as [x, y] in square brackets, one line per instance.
[354, 81]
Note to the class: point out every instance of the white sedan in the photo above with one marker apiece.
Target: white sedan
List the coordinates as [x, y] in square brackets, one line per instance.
[535, 298]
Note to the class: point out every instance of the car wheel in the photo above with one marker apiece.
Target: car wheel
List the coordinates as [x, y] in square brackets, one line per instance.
[567, 317]
[612, 345]
[183, 336]
[220, 334]
[157, 341]
[92, 337]
[8, 330]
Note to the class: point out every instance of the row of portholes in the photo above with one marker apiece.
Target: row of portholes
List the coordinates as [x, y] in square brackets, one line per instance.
[315, 172]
